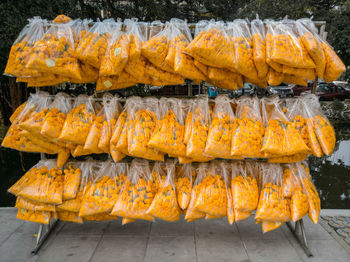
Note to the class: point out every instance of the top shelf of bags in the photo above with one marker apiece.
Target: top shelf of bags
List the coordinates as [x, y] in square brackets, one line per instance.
[116, 55]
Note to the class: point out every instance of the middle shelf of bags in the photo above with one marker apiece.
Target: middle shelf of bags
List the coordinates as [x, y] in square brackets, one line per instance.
[191, 130]
[117, 55]
[93, 190]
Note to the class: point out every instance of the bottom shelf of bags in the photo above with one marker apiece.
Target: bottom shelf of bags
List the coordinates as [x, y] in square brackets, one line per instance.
[104, 190]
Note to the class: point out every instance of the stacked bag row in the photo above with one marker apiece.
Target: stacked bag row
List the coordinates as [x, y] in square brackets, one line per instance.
[192, 130]
[97, 191]
[118, 55]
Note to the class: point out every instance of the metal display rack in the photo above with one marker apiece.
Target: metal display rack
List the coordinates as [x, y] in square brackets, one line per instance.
[298, 230]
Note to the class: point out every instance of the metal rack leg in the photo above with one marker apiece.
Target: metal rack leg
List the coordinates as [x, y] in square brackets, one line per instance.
[301, 238]
[42, 237]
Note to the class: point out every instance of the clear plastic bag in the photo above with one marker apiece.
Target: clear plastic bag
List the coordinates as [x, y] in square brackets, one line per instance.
[117, 53]
[117, 131]
[136, 33]
[243, 53]
[298, 114]
[293, 188]
[159, 77]
[168, 137]
[210, 190]
[93, 45]
[112, 109]
[272, 206]
[328, 64]
[312, 195]
[45, 184]
[164, 205]
[221, 128]
[181, 62]
[34, 122]
[321, 126]
[281, 137]
[156, 48]
[15, 137]
[22, 49]
[71, 182]
[183, 185]
[274, 78]
[245, 191]
[42, 217]
[199, 121]
[334, 66]
[137, 193]
[105, 188]
[79, 120]
[56, 116]
[286, 48]
[259, 48]
[54, 53]
[73, 205]
[212, 46]
[69, 216]
[144, 115]
[248, 137]
[33, 206]
[230, 211]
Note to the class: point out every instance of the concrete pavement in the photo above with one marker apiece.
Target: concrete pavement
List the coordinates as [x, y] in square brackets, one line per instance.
[203, 240]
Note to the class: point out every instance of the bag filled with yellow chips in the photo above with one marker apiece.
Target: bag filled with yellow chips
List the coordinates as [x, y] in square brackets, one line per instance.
[164, 205]
[79, 120]
[104, 190]
[137, 192]
[22, 49]
[272, 205]
[321, 126]
[93, 45]
[221, 129]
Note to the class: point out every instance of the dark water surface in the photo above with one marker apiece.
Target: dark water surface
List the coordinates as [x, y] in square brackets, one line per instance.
[331, 174]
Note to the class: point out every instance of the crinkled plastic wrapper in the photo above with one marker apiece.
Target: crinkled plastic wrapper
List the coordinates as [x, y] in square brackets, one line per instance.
[259, 48]
[321, 126]
[285, 47]
[244, 186]
[281, 137]
[272, 206]
[45, 186]
[168, 137]
[78, 122]
[183, 185]
[164, 205]
[93, 45]
[212, 46]
[221, 128]
[117, 53]
[55, 117]
[210, 190]
[71, 182]
[297, 112]
[42, 217]
[104, 190]
[242, 39]
[22, 49]
[248, 137]
[55, 53]
[144, 115]
[138, 191]
[22, 203]
[197, 129]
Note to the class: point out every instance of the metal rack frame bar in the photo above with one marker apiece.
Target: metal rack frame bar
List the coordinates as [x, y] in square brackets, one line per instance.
[300, 235]
[44, 232]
